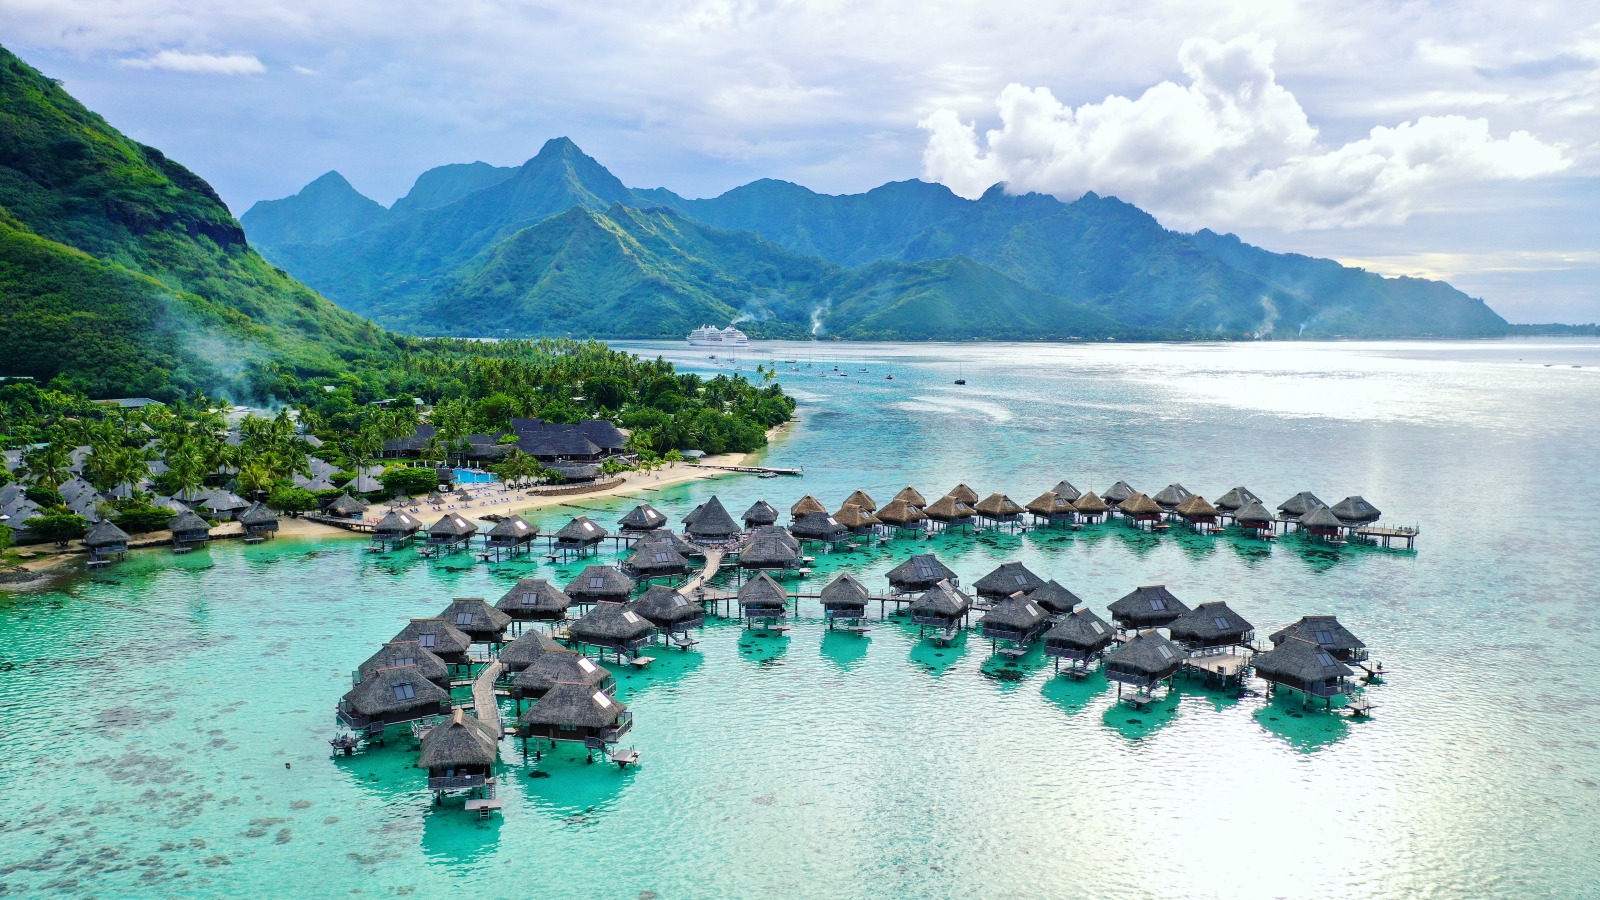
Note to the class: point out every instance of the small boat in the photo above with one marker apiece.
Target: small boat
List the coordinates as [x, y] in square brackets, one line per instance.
[888, 378]
[961, 381]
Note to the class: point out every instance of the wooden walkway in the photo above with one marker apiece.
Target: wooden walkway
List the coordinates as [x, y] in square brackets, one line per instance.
[484, 703]
[752, 470]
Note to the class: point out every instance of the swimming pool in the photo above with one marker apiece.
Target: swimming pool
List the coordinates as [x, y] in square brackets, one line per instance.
[470, 476]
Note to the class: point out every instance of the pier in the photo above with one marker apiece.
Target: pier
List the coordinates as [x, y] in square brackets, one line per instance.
[751, 470]
[485, 702]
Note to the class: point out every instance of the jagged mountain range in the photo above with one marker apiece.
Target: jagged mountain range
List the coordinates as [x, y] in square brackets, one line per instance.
[561, 246]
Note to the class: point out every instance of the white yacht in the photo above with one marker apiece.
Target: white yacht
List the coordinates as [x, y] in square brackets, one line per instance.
[712, 336]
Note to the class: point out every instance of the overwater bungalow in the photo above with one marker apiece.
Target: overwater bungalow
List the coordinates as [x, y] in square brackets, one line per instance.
[711, 523]
[223, 505]
[643, 517]
[655, 559]
[963, 494]
[1322, 524]
[669, 611]
[999, 510]
[1328, 634]
[105, 541]
[579, 536]
[805, 506]
[762, 599]
[949, 513]
[855, 519]
[394, 530]
[1198, 513]
[902, 516]
[535, 600]
[401, 654]
[452, 532]
[1150, 606]
[612, 626]
[1301, 665]
[1211, 627]
[438, 637]
[769, 553]
[1078, 638]
[1050, 508]
[911, 496]
[345, 506]
[919, 573]
[863, 500]
[1293, 508]
[577, 712]
[600, 584]
[1065, 489]
[1254, 520]
[1170, 496]
[1117, 493]
[475, 618]
[1015, 619]
[1056, 600]
[1140, 510]
[1234, 500]
[1144, 662]
[1007, 579]
[760, 513]
[776, 532]
[389, 697]
[942, 606]
[259, 523]
[188, 532]
[561, 666]
[1354, 512]
[524, 651]
[510, 536]
[818, 526]
[844, 599]
[459, 755]
[1091, 508]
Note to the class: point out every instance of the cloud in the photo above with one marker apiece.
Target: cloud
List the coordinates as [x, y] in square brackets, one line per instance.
[1231, 148]
[201, 63]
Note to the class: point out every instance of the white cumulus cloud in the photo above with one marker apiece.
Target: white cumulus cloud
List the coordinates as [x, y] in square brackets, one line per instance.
[203, 63]
[1231, 148]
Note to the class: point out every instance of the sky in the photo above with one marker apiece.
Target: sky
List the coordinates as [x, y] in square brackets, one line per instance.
[1445, 140]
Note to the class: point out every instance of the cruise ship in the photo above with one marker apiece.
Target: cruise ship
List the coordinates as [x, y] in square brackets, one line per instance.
[712, 336]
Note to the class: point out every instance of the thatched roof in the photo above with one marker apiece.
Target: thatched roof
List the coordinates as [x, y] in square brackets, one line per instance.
[259, 516]
[1016, 613]
[1051, 503]
[464, 740]
[997, 506]
[521, 653]
[643, 517]
[1172, 495]
[816, 526]
[863, 500]
[186, 523]
[1118, 492]
[397, 522]
[920, 572]
[1091, 504]
[910, 495]
[221, 501]
[1149, 654]
[452, 525]
[806, 505]
[1065, 489]
[474, 614]
[777, 532]
[666, 608]
[943, 600]
[578, 705]
[534, 596]
[1298, 660]
[1324, 630]
[345, 506]
[1209, 623]
[1320, 517]
[1236, 498]
[760, 513]
[604, 582]
[402, 654]
[557, 667]
[1148, 605]
[1083, 630]
[1253, 513]
[610, 623]
[961, 493]
[767, 552]
[667, 539]
[844, 590]
[711, 520]
[899, 512]
[1007, 579]
[1139, 505]
[1195, 507]
[1054, 598]
[762, 592]
[1356, 511]
[1299, 504]
[948, 509]
[855, 517]
[105, 534]
[657, 557]
[581, 530]
[386, 691]
[513, 528]
[435, 635]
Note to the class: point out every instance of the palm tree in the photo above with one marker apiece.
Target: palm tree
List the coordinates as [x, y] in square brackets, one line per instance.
[48, 466]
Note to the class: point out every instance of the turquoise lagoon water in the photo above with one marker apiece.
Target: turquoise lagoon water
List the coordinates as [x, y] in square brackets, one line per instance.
[165, 722]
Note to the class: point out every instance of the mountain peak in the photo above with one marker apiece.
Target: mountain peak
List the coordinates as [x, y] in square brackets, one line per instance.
[559, 148]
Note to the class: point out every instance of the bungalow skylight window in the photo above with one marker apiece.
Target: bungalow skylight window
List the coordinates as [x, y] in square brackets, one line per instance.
[1164, 651]
[1032, 610]
[463, 618]
[427, 639]
[1221, 622]
[602, 699]
[597, 581]
[1324, 658]
[1323, 636]
[679, 601]
[403, 661]
[1098, 629]
[404, 691]
[1019, 579]
[585, 664]
[628, 615]
[1157, 603]
[661, 556]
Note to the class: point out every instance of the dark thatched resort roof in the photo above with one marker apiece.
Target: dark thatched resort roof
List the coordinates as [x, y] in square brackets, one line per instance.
[844, 592]
[1015, 618]
[776, 532]
[768, 552]
[557, 667]
[643, 517]
[1325, 631]
[1118, 492]
[464, 741]
[1149, 606]
[1065, 489]
[403, 654]
[1253, 515]
[1213, 624]
[1304, 666]
[345, 507]
[258, 518]
[1236, 498]
[1170, 496]
[1055, 599]
[582, 531]
[438, 637]
[512, 529]
[761, 595]
[397, 524]
[535, 598]
[919, 573]
[760, 513]
[1007, 579]
[1146, 659]
[522, 652]
[711, 521]
[394, 695]
[575, 706]
[657, 558]
[948, 509]
[817, 526]
[1356, 511]
[452, 527]
[612, 625]
[476, 618]
[900, 514]
[187, 523]
[1079, 635]
[105, 534]
[668, 610]
[1299, 505]
[1320, 520]
[597, 583]
[941, 605]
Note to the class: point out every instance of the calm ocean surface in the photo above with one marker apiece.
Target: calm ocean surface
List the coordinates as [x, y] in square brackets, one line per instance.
[164, 725]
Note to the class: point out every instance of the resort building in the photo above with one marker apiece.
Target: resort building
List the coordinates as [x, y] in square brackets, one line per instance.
[844, 599]
[451, 533]
[1007, 579]
[535, 600]
[949, 513]
[579, 713]
[600, 584]
[475, 618]
[389, 697]
[1079, 639]
[1169, 497]
[1327, 633]
[345, 506]
[861, 499]
[1050, 508]
[1140, 510]
[1211, 627]
[760, 513]
[526, 650]
[1293, 508]
[919, 573]
[856, 520]
[1254, 520]
[1015, 619]
[911, 496]
[641, 518]
[406, 654]
[1144, 662]
[998, 509]
[459, 755]
[105, 541]
[768, 553]
[1353, 512]
[560, 667]
[710, 523]
[1055, 599]
[438, 637]
[1235, 499]
[579, 536]
[1066, 491]
[1091, 508]
[655, 559]
[818, 526]
[394, 530]
[805, 506]
[188, 532]
[258, 522]
[1117, 493]
[612, 626]
[1151, 606]
[1198, 513]
[1301, 665]
[941, 606]
[669, 611]
[763, 600]
[510, 536]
